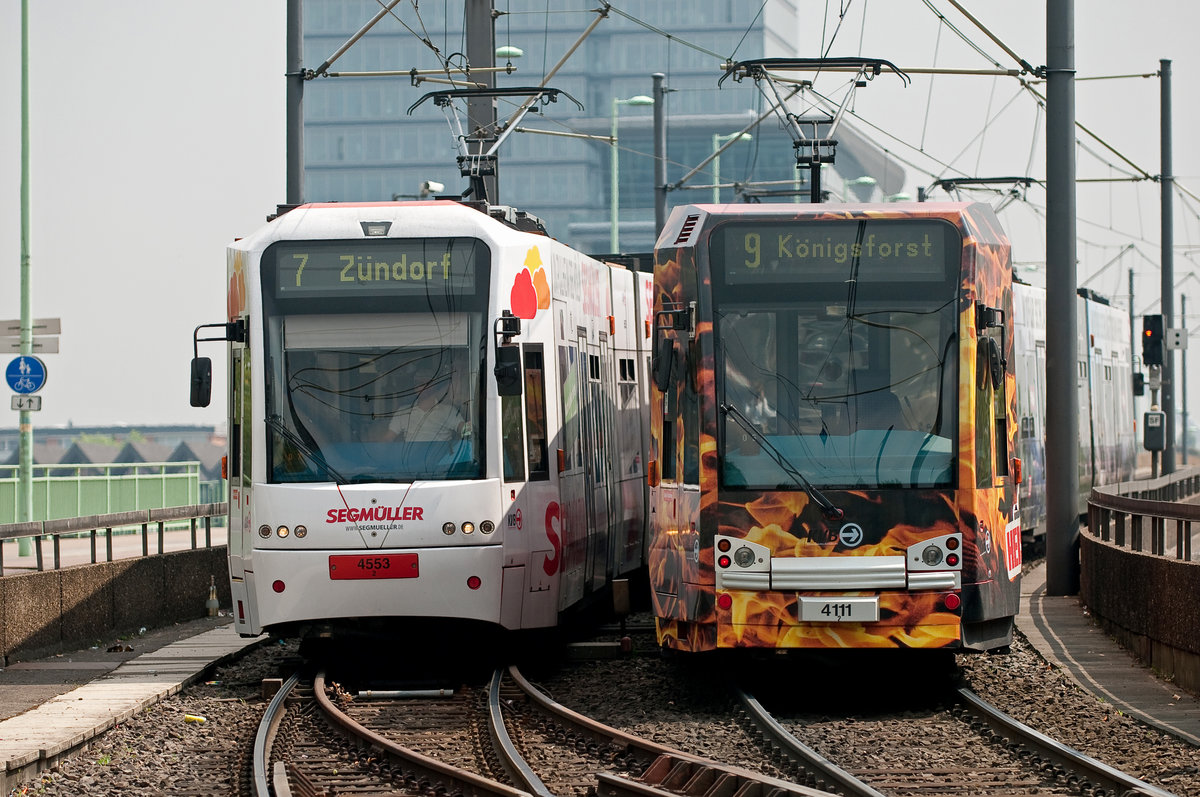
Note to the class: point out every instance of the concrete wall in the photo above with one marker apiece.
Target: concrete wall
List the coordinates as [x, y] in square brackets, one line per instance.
[1150, 604]
[59, 610]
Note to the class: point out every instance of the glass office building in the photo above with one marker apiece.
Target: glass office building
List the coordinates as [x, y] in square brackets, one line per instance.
[362, 143]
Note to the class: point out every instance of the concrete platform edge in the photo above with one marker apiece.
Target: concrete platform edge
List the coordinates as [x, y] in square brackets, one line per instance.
[1035, 626]
[28, 764]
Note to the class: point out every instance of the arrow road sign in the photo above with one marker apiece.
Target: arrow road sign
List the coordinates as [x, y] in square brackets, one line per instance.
[25, 374]
[27, 403]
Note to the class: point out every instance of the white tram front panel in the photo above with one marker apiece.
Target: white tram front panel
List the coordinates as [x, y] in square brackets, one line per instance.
[345, 501]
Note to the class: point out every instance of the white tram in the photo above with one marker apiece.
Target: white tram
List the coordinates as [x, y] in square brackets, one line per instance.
[435, 411]
[1108, 442]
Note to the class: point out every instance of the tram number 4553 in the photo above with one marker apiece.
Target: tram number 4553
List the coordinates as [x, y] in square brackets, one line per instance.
[360, 566]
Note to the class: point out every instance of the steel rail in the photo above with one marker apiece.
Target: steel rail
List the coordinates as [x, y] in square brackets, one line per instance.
[265, 738]
[668, 771]
[512, 760]
[457, 781]
[826, 769]
[1089, 772]
[1068, 758]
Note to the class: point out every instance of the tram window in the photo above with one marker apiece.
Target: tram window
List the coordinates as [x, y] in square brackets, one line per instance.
[247, 413]
[628, 428]
[984, 420]
[235, 436]
[569, 375]
[513, 444]
[535, 413]
[691, 423]
[1001, 413]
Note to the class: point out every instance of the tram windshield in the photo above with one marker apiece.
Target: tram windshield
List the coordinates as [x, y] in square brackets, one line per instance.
[837, 341]
[377, 379]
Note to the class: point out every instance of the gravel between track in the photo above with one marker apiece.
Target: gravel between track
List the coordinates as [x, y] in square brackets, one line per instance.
[159, 752]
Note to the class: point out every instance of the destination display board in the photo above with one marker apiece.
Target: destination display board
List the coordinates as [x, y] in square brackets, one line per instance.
[391, 266]
[772, 251]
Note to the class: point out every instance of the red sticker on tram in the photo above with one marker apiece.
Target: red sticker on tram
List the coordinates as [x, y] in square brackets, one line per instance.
[367, 566]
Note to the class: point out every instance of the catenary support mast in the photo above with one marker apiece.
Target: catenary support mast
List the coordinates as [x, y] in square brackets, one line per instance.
[1062, 409]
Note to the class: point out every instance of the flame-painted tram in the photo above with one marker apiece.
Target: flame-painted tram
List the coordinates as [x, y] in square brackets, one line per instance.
[833, 421]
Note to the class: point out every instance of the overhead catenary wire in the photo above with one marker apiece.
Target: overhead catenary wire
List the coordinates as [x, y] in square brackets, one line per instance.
[1137, 175]
[350, 42]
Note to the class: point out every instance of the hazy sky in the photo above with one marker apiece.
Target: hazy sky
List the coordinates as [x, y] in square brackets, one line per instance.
[157, 138]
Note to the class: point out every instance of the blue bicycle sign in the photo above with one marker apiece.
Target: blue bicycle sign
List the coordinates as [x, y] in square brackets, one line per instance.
[25, 374]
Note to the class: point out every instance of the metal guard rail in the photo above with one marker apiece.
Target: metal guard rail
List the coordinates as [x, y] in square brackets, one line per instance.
[1118, 513]
[55, 529]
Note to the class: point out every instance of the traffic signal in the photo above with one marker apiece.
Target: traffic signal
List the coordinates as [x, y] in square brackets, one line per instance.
[1152, 339]
[1139, 383]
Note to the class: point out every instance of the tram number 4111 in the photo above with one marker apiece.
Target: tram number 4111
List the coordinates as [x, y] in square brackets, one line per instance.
[824, 610]
[837, 611]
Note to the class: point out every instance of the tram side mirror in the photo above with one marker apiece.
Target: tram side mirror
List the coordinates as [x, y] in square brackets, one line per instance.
[664, 359]
[989, 368]
[995, 364]
[201, 381]
[508, 370]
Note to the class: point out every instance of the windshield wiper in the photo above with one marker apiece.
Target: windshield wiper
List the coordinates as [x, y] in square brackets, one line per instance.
[276, 423]
[827, 508]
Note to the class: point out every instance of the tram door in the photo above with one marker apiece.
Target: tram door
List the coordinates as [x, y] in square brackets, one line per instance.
[596, 435]
[238, 471]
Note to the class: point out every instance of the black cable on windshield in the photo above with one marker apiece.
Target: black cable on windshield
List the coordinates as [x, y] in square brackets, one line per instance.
[277, 424]
[827, 507]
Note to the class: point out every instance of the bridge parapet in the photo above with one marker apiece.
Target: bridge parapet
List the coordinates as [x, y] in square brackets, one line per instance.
[86, 591]
[95, 526]
[1138, 576]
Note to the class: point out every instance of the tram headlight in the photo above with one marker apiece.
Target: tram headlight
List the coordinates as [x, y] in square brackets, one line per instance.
[300, 531]
[283, 531]
[264, 531]
[744, 557]
[448, 528]
[468, 527]
[487, 527]
[932, 555]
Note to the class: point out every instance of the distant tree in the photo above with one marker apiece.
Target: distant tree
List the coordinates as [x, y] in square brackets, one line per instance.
[99, 439]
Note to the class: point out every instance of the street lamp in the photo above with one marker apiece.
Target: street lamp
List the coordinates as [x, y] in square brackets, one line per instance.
[863, 187]
[717, 142]
[614, 232]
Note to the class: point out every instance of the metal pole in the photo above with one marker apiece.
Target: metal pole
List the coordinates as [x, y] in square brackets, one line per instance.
[295, 102]
[1062, 413]
[25, 445]
[614, 234]
[1168, 266]
[716, 169]
[1132, 329]
[481, 111]
[1183, 415]
[660, 152]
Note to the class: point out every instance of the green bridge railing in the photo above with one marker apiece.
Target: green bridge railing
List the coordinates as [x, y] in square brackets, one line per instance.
[80, 490]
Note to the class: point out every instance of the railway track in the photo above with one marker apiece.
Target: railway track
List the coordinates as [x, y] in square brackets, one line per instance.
[969, 748]
[509, 738]
[505, 740]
